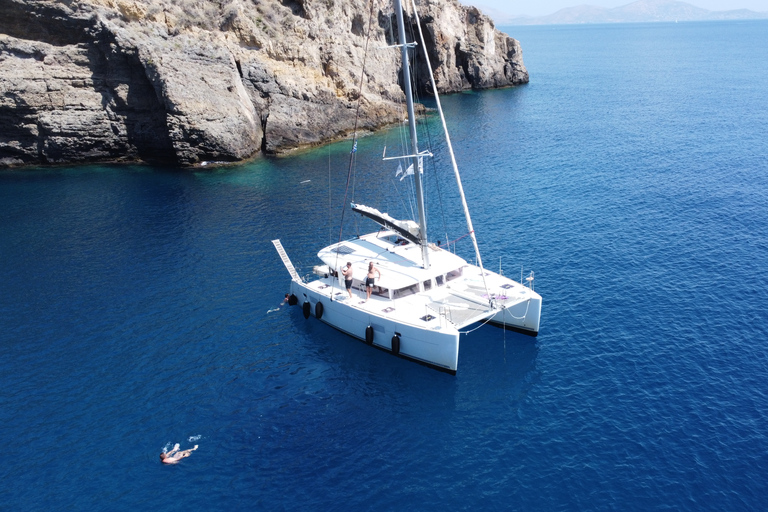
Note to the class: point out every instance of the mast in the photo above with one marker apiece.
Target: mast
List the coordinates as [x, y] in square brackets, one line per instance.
[414, 139]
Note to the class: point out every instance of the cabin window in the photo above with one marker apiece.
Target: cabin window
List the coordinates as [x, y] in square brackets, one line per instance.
[377, 290]
[394, 239]
[380, 291]
[453, 274]
[427, 285]
[439, 280]
[404, 292]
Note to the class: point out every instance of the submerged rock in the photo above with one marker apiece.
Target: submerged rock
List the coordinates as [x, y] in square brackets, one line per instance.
[187, 82]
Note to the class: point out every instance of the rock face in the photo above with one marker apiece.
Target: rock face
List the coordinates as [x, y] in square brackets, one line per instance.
[183, 82]
[466, 51]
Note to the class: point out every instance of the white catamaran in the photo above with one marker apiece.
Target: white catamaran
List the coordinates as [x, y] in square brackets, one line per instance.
[425, 295]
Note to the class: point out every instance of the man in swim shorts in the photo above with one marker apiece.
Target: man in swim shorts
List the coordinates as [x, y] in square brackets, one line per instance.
[347, 272]
[372, 271]
[174, 456]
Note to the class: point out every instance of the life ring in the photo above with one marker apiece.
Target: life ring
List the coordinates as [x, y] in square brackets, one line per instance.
[305, 308]
[319, 310]
[369, 335]
[293, 300]
[396, 344]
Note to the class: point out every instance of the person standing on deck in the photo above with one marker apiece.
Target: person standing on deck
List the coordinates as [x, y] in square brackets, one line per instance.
[347, 272]
[369, 280]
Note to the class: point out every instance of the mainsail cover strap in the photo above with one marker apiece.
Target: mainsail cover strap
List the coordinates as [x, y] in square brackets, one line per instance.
[408, 229]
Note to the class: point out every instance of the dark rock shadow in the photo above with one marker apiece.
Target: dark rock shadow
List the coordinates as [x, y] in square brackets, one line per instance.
[47, 22]
[137, 113]
[19, 145]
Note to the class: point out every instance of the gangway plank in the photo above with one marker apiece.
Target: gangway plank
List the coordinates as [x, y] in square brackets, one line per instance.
[286, 260]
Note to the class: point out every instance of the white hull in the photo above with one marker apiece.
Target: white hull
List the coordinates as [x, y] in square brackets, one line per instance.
[436, 346]
[429, 319]
[522, 316]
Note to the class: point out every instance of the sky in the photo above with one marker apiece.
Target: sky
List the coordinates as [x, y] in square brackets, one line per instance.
[544, 7]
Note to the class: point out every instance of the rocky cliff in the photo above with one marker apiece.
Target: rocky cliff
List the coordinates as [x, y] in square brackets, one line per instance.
[186, 81]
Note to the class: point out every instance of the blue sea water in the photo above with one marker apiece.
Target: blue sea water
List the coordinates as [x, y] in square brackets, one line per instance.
[631, 175]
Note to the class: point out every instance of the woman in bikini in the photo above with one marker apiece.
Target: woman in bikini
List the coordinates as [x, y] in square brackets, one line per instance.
[369, 280]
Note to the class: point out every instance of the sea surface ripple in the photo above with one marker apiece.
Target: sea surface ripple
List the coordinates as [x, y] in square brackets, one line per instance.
[631, 175]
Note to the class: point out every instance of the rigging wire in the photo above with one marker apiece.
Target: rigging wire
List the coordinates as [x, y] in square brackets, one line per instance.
[404, 142]
[330, 204]
[414, 62]
[401, 196]
[356, 219]
[423, 124]
[354, 136]
[435, 178]
[453, 242]
[453, 161]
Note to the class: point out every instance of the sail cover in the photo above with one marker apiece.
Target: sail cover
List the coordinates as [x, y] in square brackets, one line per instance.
[408, 229]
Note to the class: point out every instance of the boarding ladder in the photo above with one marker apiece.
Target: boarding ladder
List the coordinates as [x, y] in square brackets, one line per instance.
[286, 260]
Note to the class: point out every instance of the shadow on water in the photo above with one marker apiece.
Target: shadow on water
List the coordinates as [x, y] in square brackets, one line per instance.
[508, 356]
[317, 403]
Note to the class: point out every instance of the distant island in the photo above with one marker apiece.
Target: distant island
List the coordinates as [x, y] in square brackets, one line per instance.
[642, 11]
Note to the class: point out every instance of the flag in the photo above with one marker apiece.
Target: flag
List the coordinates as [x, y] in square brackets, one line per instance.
[408, 172]
[399, 170]
[354, 147]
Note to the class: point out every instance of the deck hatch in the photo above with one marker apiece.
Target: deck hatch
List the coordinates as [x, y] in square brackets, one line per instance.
[344, 249]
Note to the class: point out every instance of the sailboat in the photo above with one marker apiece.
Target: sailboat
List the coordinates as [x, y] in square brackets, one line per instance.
[423, 296]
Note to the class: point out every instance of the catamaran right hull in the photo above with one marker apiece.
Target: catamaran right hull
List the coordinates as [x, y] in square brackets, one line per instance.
[522, 317]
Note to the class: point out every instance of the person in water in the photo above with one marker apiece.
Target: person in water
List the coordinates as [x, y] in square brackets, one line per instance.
[347, 272]
[372, 271]
[174, 456]
[286, 300]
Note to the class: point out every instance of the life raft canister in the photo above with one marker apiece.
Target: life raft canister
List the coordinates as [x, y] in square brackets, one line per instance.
[305, 308]
[396, 344]
[369, 335]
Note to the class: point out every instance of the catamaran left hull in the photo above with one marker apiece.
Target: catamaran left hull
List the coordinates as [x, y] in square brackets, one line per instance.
[435, 342]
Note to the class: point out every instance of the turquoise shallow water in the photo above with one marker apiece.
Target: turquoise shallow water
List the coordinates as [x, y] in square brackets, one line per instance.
[630, 174]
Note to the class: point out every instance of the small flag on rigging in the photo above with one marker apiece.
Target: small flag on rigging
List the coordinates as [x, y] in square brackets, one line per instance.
[354, 147]
[408, 172]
